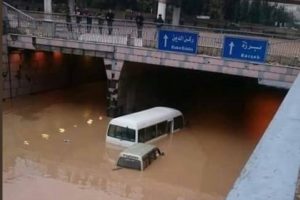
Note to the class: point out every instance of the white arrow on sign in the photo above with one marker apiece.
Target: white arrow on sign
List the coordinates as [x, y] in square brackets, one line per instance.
[166, 39]
[231, 45]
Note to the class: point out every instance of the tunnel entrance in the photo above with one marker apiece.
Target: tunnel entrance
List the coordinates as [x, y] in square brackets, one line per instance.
[34, 72]
[203, 97]
[227, 116]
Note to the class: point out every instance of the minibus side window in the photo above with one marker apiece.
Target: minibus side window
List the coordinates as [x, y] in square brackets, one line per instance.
[128, 134]
[162, 128]
[150, 133]
[178, 122]
[141, 135]
[147, 134]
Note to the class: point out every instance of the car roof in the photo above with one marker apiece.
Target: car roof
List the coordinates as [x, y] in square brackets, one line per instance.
[138, 149]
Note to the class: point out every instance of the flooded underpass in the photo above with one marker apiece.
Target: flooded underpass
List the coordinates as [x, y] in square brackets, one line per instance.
[54, 143]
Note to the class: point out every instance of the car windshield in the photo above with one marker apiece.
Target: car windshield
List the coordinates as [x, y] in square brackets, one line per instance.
[129, 163]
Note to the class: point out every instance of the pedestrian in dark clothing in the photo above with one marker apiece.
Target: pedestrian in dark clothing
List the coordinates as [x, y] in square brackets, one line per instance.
[100, 22]
[78, 18]
[5, 25]
[139, 19]
[159, 21]
[69, 21]
[89, 23]
[85, 12]
[110, 18]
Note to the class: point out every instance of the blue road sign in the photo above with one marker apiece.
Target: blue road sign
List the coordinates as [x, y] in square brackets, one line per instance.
[246, 49]
[184, 42]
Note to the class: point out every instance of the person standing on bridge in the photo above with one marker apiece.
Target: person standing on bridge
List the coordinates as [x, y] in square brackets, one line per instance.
[100, 21]
[109, 19]
[159, 21]
[78, 18]
[89, 21]
[69, 20]
[139, 19]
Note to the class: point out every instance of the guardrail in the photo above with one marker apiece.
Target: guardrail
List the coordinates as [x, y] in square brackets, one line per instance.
[16, 17]
[283, 51]
[260, 31]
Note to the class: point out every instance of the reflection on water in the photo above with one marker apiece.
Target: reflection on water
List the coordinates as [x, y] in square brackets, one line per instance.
[54, 148]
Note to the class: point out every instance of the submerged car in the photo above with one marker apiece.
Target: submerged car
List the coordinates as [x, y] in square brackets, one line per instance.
[138, 156]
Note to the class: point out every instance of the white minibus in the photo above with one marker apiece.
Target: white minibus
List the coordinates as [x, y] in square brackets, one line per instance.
[144, 126]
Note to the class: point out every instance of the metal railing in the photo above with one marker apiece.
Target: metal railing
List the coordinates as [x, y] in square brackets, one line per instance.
[261, 31]
[283, 51]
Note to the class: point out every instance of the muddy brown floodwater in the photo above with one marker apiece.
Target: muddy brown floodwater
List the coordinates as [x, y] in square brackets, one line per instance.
[54, 148]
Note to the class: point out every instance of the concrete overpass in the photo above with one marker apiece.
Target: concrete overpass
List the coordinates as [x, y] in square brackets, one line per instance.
[25, 32]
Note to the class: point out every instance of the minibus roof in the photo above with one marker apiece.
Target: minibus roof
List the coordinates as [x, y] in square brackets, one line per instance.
[146, 118]
[138, 149]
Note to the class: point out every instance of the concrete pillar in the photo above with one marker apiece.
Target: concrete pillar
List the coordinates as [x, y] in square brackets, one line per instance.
[130, 97]
[113, 73]
[162, 5]
[48, 6]
[176, 15]
[5, 20]
[48, 9]
[71, 4]
[6, 75]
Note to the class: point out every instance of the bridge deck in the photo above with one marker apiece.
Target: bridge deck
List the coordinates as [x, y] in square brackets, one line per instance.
[283, 50]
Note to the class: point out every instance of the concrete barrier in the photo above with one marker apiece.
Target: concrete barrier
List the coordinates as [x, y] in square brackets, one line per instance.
[271, 173]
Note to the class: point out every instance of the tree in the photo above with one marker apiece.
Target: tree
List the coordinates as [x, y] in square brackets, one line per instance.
[255, 11]
[244, 10]
[193, 7]
[176, 3]
[230, 9]
[216, 9]
[237, 13]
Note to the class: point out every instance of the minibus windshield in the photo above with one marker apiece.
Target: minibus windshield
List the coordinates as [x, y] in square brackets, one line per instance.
[123, 133]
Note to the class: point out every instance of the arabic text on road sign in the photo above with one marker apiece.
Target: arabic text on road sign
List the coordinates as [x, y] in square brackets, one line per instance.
[247, 49]
[185, 42]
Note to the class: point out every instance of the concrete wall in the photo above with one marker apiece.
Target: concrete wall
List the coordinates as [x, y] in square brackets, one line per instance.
[4, 59]
[38, 71]
[131, 80]
[271, 173]
[142, 86]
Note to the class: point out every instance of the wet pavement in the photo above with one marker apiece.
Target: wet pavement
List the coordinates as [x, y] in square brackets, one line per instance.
[54, 148]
